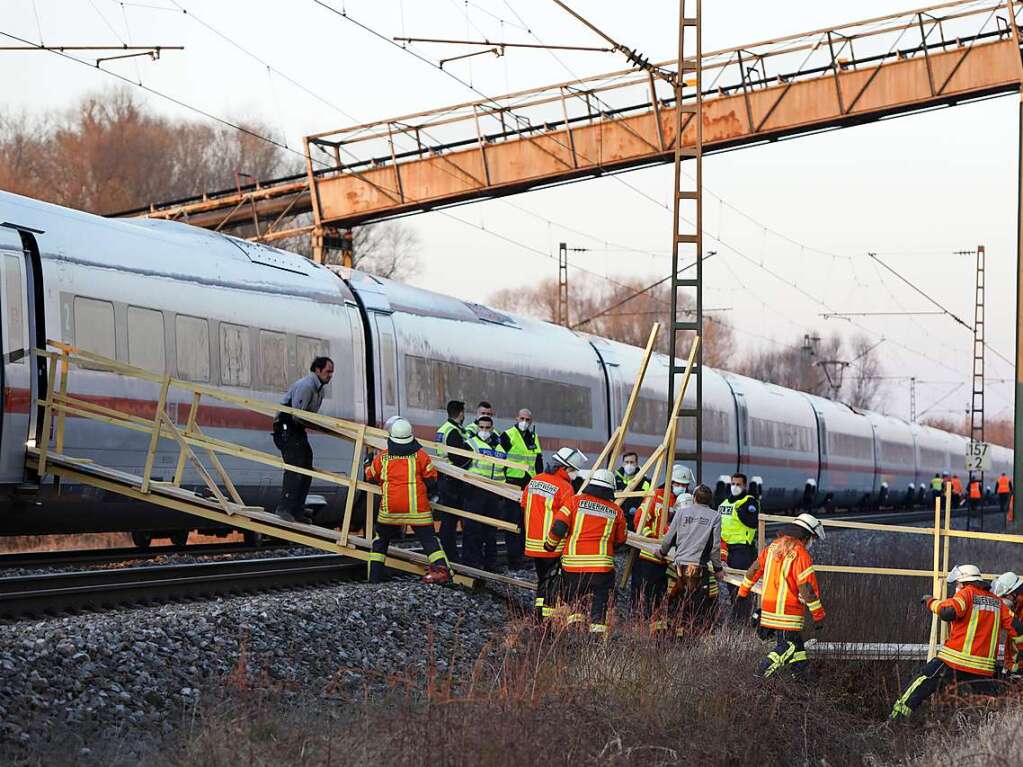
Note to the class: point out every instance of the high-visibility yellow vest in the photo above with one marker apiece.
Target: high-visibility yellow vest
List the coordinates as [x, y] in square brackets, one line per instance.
[442, 435]
[485, 468]
[522, 454]
[732, 528]
[625, 479]
[936, 484]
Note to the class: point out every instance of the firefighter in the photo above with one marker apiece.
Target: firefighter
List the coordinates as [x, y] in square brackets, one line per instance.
[790, 587]
[740, 513]
[1009, 588]
[625, 475]
[1003, 488]
[407, 477]
[452, 491]
[649, 581]
[592, 526]
[545, 494]
[522, 445]
[479, 542]
[694, 540]
[968, 656]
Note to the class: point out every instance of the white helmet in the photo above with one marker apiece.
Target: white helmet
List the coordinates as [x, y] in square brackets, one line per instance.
[811, 524]
[390, 422]
[964, 574]
[401, 431]
[1005, 584]
[681, 475]
[570, 458]
[603, 478]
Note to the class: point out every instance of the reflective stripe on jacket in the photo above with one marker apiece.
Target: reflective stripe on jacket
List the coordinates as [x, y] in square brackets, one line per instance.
[442, 435]
[521, 453]
[595, 528]
[541, 499]
[404, 500]
[972, 644]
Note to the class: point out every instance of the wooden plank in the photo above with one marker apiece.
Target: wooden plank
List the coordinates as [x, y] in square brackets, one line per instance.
[193, 412]
[637, 386]
[154, 440]
[500, 524]
[44, 436]
[203, 473]
[604, 453]
[346, 521]
[58, 440]
[936, 584]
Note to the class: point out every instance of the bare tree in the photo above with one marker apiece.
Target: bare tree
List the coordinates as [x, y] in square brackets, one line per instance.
[390, 249]
[866, 389]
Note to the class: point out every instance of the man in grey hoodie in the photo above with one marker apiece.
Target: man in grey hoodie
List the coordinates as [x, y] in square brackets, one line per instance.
[694, 534]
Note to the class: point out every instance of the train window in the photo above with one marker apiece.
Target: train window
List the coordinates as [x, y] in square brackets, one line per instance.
[387, 368]
[431, 383]
[931, 458]
[650, 417]
[779, 435]
[273, 359]
[94, 326]
[193, 344]
[145, 339]
[851, 446]
[14, 306]
[235, 355]
[896, 452]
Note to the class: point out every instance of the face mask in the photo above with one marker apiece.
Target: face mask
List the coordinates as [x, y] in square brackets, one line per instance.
[523, 425]
[631, 468]
[738, 489]
[484, 434]
[678, 489]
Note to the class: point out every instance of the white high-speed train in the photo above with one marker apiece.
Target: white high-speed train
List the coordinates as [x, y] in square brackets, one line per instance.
[249, 318]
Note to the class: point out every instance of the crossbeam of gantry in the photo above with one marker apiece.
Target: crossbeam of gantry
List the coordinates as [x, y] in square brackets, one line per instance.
[584, 128]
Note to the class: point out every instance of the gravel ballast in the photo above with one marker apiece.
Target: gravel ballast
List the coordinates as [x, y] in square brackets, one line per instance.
[132, 676]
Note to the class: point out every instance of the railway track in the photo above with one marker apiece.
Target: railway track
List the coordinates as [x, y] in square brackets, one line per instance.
[123, 554]
[59, 593]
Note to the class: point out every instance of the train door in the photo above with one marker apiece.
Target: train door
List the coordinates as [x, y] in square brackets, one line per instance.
[387, 367]
[21, 376]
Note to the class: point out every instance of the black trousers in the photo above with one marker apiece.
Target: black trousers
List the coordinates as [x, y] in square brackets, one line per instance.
[452, 493]
[514, 543]
[384, 534]
[740, 556]
[546, 585]
[577, 588]
[647, 588]
[295, 486]
[789, 653]
[1003, 502]
[479, 540]
[932, 677]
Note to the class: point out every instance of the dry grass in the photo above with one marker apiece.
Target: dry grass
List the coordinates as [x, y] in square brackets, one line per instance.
[559, 698]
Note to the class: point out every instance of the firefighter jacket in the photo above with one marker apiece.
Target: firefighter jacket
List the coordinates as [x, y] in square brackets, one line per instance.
[525, 450]
[789, 584]
[451, 434]
[592, 525]
[490, 447]
[651, 520]
[977, 617]
[1013, 662]
[542, 498]
[404, 472]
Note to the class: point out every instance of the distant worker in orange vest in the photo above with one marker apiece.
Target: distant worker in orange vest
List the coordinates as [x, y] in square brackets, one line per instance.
[968, 656]
[1003, 488]
[542, 498]
[407, 478]
[790, 588]
[592, 526]
[975, 496]
[957, 491]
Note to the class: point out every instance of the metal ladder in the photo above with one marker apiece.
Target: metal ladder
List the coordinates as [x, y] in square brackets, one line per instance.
[687, 236]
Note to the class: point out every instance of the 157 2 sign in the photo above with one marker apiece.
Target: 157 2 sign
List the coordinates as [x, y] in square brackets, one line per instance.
[978, 456]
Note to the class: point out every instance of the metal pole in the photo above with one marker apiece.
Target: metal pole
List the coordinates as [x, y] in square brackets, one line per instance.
[563, 284]
[1017, 438]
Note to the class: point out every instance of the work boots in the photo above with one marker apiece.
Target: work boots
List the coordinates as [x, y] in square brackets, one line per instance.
[437, 575]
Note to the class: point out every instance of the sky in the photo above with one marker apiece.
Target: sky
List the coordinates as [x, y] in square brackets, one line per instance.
[792, 222]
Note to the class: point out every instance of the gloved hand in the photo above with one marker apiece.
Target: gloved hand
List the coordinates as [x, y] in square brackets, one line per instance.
[547, 547]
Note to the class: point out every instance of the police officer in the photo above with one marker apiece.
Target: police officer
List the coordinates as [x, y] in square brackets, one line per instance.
[937, 485]
[452, 492]
[522, 445]
[740, 513]
[482, 409]
[290, 438]
[479, 544]
[625, 475]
